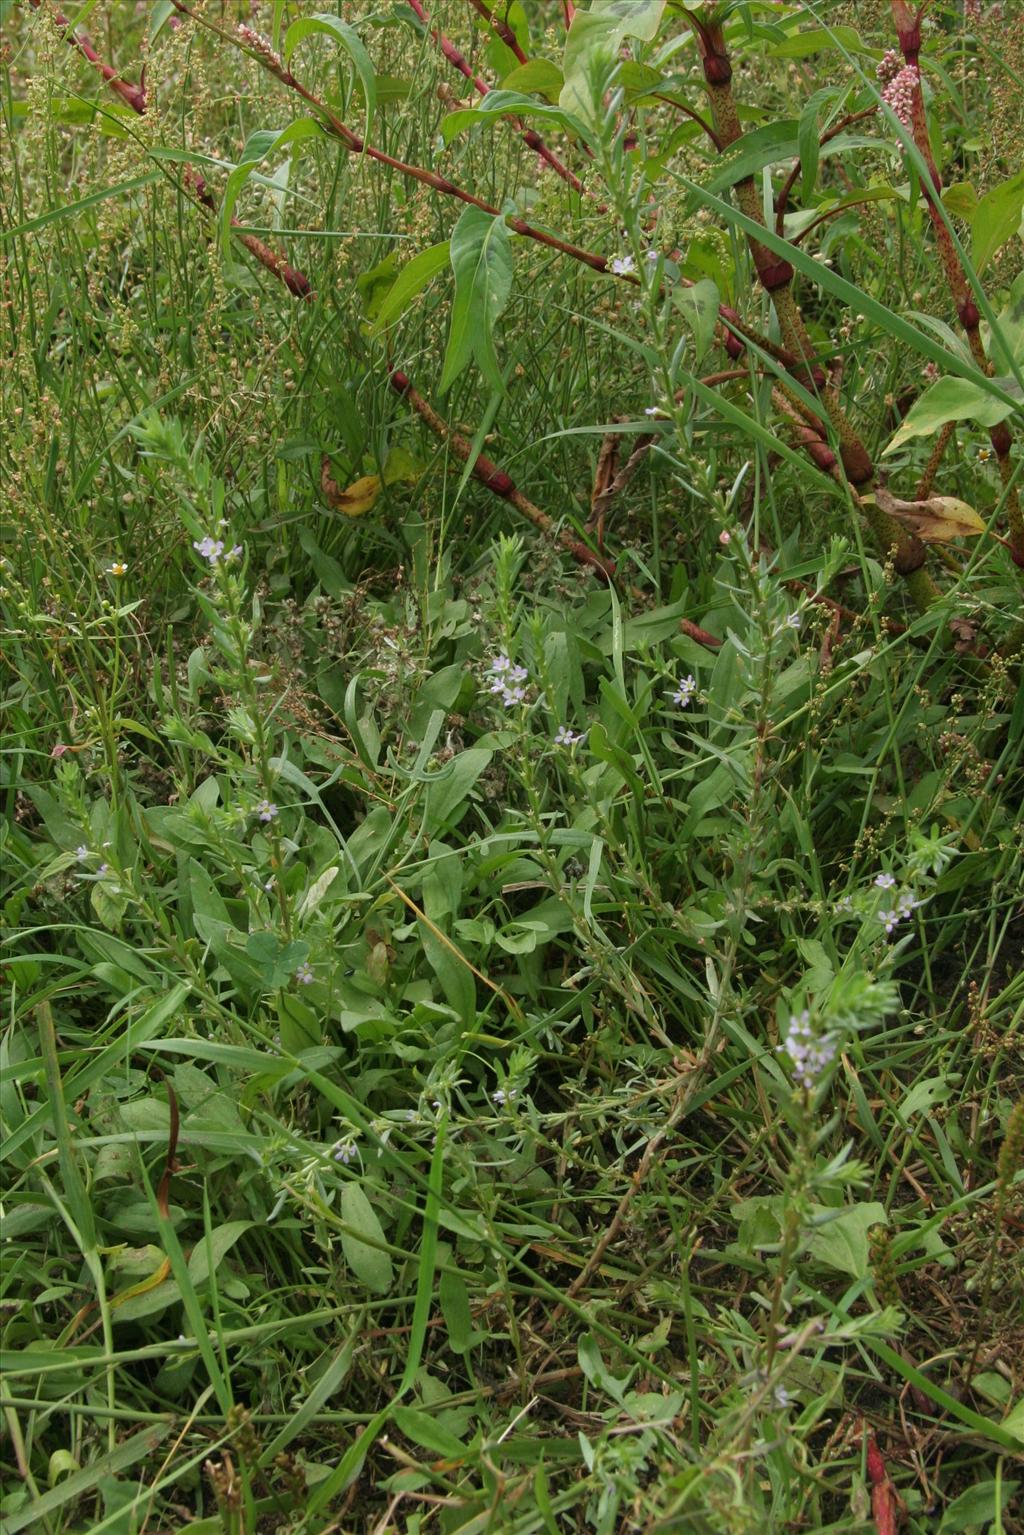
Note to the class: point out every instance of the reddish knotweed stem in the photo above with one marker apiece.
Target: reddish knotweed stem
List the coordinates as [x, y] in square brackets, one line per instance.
[496, 479]
[502, 28]
[532, 139]
[135, 97]
[908, 28]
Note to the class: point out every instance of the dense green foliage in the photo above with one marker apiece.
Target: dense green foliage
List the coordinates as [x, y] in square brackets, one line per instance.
[513, 962]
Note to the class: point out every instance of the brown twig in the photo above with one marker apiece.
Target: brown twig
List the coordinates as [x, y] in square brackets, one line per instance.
[497, 480]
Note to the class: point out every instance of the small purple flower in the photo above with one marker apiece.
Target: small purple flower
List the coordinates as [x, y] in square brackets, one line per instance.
[885, 881]
[906, 904]
[506, 681]
[652, 256]
[304, 974]
[566, 737]
[344, 1151]
[685, 691]
[502, 1095]
[209, 548]
[889, 920]
[266, 810]
[794, 620]
[104, 868]
[810, 1054]
[622, 266]
[81, 852]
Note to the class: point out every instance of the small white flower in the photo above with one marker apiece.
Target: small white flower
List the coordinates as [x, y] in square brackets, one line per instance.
[304, 974]
[81, 852]
[119, 568]
[885, 881]
[652, 410]
[566, 737]
[622, 266]
[266, 810]
[685, 691]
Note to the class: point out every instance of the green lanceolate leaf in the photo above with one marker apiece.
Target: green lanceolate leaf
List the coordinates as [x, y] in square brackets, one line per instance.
[348, 37]
[699, 306]
[498, 104]
[264, 142]
[952, 399]
[996, 219]
[481, 257]
[370, 1264]
[410, 282]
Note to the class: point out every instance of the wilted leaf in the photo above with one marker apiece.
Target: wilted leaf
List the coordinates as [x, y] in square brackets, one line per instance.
[936, 520]
[355, 499]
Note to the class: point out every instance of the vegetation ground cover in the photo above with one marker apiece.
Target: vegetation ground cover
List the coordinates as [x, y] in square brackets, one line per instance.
[512, 768]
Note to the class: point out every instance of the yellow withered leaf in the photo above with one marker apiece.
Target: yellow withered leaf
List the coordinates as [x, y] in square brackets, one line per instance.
[936, 520]
[355, 499]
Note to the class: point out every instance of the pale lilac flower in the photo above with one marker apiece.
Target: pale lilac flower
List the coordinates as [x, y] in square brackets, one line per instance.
[685, 691]
[506, 681]
[209, 548]
[566, 737]
[304, 974]
[652, 410]
[344, 1151]
[622, 266]
[889, 920]
[809, 1053]
[843, 905]
[906, 904]
[899, 93]
[104, 868]
[266, 810]
[794, 620]
[503, 1095]
[652, 256]
[885, 881]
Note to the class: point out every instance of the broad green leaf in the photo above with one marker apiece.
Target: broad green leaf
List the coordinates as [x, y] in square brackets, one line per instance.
[539, 76]
[447, 797]
[481, 257]
[504, 104]
[275, 960]
[597, 34]
[371, 1265]
[424, 1430]
[777, 142]
[977, 1507]
[996, 219]
[953, 399]
[210, 1251]
[410, 282]
[842, 1242]
[1006, 342]
[699, 306]
[264, 142]
[348, 37]
[960, 199]
[458, 1319]
[817, 40]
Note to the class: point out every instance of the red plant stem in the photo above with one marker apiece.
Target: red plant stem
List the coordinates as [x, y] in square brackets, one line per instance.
[502, 28]
[529, 137]
[568, 11]
[135, 97]
[733, 326]
[496, 479]
[883, 1502]
[908, 27]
